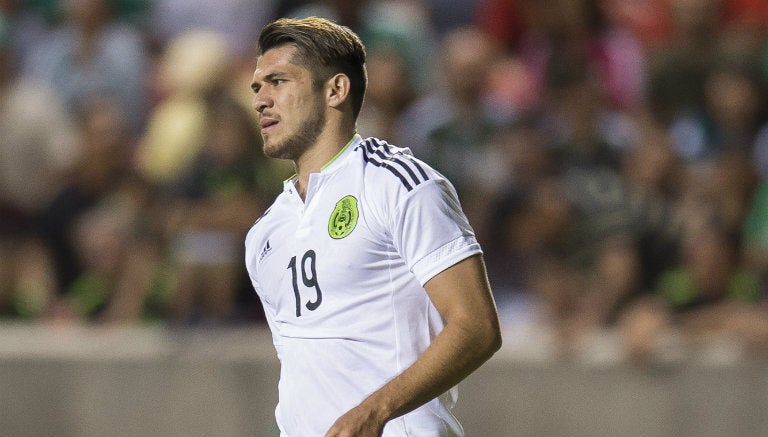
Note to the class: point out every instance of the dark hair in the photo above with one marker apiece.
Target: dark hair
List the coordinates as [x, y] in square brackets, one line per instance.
[324, 47]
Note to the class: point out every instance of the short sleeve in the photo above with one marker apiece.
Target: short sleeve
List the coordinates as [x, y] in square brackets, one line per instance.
[431, 231]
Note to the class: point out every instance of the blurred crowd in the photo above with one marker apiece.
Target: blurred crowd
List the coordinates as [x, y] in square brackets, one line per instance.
[612, 156]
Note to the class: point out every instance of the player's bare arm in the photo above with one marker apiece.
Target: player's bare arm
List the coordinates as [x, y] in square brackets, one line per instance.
[471, 336]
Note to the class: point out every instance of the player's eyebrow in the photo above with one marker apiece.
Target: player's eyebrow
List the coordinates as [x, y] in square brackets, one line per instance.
[268, 78]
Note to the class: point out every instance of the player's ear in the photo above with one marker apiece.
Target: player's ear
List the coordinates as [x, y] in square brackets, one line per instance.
[337, 90]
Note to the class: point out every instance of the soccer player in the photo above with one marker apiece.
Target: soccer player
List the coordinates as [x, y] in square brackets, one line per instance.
[373, 283]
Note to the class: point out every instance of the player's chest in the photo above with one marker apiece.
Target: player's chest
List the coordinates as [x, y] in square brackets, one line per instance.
[320, 248]
[331, 216]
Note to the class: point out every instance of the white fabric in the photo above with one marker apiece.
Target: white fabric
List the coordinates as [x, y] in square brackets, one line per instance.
[374, 317]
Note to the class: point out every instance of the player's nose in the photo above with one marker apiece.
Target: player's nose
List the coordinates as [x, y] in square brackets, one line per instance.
[261, 101]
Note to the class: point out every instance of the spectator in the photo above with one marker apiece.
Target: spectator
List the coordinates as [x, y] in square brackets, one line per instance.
[447, 16]
[755, 232]
[194, 66]
[208, 215]
[524, 218]
[373, 20]
[29, 28]
[716, 190]
[95, 216]
[451, 128]
[92, 55]
[732, 111]
[38, 138]
[708, 295]
[238, 21]
[539, 33]
[652, 174]
[390, 90]
[121, 277]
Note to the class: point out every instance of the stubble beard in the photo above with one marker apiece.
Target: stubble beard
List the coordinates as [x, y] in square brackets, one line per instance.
[299, 142]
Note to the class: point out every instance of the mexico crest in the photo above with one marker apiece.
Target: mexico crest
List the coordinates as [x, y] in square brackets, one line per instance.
[343, 218]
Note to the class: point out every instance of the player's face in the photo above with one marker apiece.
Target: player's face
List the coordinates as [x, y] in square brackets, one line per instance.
[291, 112]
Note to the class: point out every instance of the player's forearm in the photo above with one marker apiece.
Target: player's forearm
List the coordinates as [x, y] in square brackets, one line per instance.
[455, 353]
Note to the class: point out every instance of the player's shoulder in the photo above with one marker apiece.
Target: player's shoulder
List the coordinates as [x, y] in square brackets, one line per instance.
[391, 166]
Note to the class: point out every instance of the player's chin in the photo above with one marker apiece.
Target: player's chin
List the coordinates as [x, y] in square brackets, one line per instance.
[270, 146]
[275, 150]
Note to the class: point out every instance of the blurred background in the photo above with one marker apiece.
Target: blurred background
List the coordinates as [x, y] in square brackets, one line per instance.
[612, 157]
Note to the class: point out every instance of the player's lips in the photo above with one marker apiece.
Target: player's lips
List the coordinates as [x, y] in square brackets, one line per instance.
[266, 123]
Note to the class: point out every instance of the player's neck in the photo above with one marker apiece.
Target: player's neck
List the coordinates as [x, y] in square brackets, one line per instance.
[327, 146]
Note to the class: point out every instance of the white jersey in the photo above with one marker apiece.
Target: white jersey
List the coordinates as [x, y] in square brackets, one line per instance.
[341, 277]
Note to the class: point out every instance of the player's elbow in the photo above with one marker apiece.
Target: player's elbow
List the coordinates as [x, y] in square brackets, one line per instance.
[487, 338]
[493, 337]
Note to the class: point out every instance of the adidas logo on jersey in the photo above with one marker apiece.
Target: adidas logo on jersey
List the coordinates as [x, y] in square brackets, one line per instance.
[265, 251]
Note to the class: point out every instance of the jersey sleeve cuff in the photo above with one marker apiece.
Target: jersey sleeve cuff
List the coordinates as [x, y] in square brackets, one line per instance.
[444, 257]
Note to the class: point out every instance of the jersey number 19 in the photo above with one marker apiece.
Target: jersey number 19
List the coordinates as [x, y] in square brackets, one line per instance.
[308, 278]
